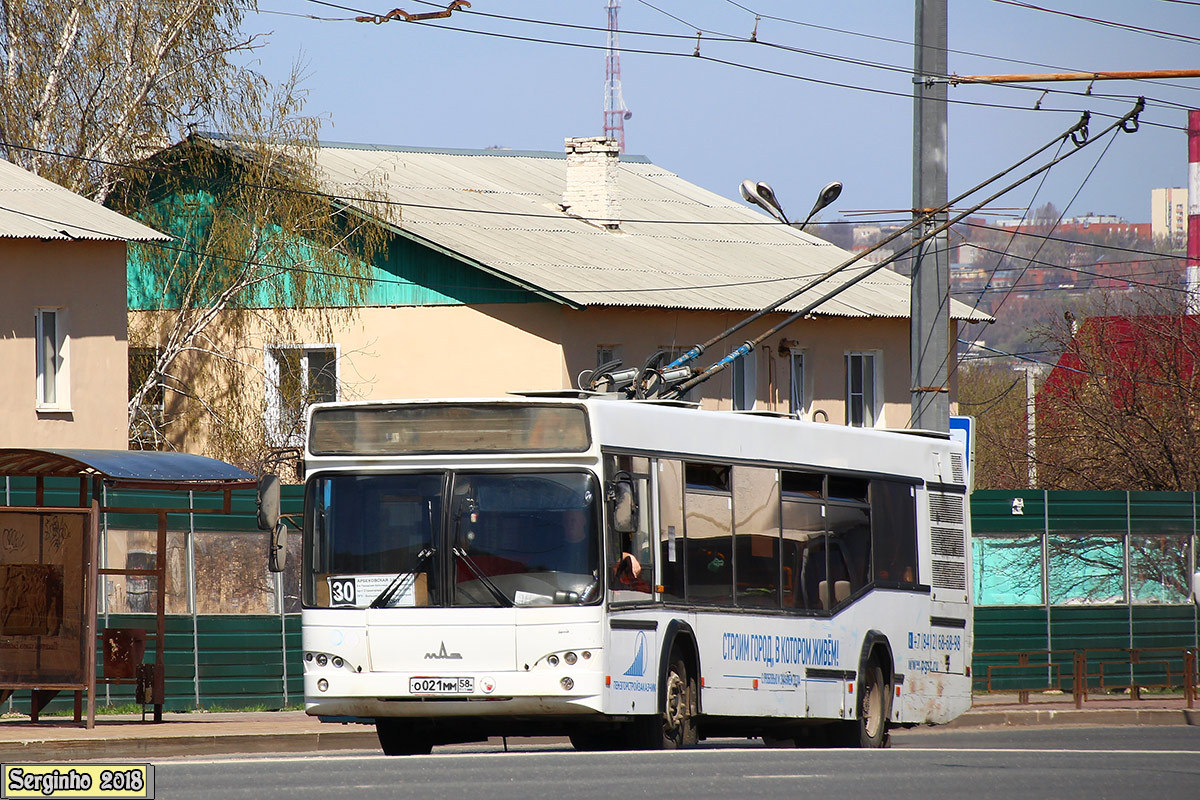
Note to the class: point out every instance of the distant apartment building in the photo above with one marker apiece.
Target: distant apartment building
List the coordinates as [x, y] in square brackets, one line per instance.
[1168, 215]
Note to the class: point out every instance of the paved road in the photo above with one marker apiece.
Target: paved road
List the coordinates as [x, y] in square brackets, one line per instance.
[1067, 763]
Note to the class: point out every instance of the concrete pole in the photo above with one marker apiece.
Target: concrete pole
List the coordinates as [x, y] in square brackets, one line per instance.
[1031, 423]
[1193, 229]
[930, 293]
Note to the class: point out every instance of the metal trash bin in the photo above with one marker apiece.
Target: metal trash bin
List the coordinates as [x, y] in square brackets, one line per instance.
[124, 649]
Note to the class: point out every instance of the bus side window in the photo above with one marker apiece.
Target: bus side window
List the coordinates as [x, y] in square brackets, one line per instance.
[672, 545]
[708, 519]
[894, 532]
[628, 553]
[756, 537]
[803, 558]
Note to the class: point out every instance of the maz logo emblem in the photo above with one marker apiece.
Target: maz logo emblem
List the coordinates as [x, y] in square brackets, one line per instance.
[443, 654]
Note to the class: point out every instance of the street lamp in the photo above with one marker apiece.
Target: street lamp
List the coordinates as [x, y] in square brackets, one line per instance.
[761, 195]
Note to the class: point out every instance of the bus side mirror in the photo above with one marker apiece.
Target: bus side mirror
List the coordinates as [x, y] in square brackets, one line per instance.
[277, 556]
[1196, 588]
[622, 505]
[268, 502]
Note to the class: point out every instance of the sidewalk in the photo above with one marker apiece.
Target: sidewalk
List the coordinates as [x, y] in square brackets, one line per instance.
[126, 738]
[1059, 709]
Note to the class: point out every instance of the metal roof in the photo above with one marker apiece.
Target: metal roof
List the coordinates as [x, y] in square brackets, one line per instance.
[129, 465]
[35, 208]
[679, 246]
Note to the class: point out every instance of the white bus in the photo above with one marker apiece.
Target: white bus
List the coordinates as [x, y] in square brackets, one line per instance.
[633, 574]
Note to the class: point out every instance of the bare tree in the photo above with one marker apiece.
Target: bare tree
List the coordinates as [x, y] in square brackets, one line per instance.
[91, 96]
[994, 393]
[1120, 411]
[87, 86]
[262, 257]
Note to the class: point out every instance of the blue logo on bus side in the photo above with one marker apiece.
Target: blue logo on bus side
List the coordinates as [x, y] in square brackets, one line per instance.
[638, 667]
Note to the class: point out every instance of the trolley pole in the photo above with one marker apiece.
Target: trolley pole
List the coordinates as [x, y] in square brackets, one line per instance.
[929, 303]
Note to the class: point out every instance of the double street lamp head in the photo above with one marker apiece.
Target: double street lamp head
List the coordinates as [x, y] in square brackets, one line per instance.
[763, 196]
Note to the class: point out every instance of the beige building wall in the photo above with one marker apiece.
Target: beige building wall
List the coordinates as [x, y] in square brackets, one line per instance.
[490, 350]
[86, 280]
[825, 341]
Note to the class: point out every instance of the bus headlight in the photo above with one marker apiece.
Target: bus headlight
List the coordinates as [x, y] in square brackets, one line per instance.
[567, 684]
[552, 660]
[570, 658]
[322, 659]
[323, 685]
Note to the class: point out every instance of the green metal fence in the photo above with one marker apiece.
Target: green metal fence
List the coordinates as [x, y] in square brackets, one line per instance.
[1098, 573]
[233, 639]
[232, 629]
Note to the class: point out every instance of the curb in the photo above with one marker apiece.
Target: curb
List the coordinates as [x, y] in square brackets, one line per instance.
[125, 748]
[174, 746]
[1031, 717]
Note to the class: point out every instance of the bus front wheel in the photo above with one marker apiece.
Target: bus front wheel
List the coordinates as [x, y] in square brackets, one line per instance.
[398, 739]
[675, 724]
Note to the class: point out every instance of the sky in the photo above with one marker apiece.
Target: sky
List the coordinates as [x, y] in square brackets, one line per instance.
[824, 93]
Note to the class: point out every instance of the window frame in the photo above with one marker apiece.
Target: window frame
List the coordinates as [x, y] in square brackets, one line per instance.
[743, 394]
[875, 409]
[798, 400]
[59, 381]
[273, 400]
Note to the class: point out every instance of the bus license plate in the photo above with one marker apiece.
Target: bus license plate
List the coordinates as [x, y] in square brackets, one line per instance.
[441, 685]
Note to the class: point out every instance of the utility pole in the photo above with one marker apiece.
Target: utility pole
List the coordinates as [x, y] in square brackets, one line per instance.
[929, 302]
[1193, 230]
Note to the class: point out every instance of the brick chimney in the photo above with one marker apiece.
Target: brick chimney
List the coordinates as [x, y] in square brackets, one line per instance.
[591, 191]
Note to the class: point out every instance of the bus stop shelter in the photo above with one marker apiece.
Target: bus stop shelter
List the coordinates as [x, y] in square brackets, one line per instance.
[50, 569]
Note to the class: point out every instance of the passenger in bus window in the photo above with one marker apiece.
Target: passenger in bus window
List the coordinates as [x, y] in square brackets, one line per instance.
[627, 572]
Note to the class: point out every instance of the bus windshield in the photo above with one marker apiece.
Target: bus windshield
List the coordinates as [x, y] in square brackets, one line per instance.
[467, 539]
[524, 539]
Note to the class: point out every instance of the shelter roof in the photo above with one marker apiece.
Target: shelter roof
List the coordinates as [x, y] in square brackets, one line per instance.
[126, 465]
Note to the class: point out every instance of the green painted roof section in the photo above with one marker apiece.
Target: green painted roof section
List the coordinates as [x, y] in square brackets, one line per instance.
[408, 273]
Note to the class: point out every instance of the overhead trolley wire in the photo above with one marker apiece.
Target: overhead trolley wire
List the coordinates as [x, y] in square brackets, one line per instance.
[1028, 264]
[1077, 133]
[725, 39]
[1158, 34]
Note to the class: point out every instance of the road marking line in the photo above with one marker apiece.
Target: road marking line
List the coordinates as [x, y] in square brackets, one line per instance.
[707, 751]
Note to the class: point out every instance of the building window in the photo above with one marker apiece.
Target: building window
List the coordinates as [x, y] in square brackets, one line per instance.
[146, 431]
[861, 405]
[797, 398]
[51, 354]
[297, 376]
[745, 382]
[607, 353]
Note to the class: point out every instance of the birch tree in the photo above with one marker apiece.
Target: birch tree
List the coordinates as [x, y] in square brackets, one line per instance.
[92, 96]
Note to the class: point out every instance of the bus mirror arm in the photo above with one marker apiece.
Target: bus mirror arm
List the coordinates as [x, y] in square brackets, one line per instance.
[1196, 588]
[267, 500]
[277, 556]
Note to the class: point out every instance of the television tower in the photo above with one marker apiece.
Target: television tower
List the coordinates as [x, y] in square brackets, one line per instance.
[615, 112]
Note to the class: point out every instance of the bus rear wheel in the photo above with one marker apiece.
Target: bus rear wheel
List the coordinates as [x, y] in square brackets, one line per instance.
[397, 738]
[869, 728]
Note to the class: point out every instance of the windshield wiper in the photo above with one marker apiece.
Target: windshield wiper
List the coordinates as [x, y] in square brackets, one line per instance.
[500, 596]
[399, 581]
